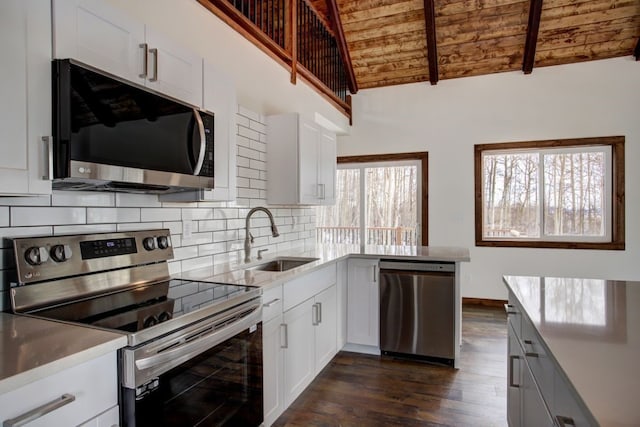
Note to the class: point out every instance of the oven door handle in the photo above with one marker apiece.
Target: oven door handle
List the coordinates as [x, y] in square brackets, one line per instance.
[189, 349]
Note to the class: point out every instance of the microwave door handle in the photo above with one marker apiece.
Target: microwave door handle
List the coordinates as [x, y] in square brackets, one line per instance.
[203, 143]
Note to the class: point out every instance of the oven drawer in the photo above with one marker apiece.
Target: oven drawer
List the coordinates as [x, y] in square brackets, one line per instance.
[271, 303]
[89, 389]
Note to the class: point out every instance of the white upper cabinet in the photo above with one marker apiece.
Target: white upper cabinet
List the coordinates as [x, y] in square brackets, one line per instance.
[301, 161]
[25, 96]
[103, 37]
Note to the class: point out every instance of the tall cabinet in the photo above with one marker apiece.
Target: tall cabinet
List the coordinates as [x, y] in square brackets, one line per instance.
[301, 161]
[25, 90]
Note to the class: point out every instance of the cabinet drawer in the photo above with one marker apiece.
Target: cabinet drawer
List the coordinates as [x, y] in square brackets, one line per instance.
[271, 303]
[93, 384]
[305, 287]
[537, 357]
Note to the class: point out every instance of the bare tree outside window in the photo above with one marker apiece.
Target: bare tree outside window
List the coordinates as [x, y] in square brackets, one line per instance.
[559, 193]
[388, 208]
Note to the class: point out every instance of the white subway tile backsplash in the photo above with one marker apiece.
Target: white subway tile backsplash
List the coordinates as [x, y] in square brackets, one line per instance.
[137, 200]
[26, 201]
[248, 193]
[243, 141]
[82, 198]
[225, 213]
[212, 225]
[197, 214]
[212, 248]
[83, 229]
[257, 164]
[185, 252]
[199, 262]
[225, 235]
[160, 214]
[249, 133]
[243, 182]
[261, 147]
[175, 227]
[257, 126]
[113, 215]
[4, 216]
[248, 152]
[134, 226]
[22, 216]
[248, 173]
[243, 162]
[243, 121]
[197, 239]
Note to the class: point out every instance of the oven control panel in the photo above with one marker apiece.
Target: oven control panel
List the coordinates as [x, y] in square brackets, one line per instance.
[52, 257]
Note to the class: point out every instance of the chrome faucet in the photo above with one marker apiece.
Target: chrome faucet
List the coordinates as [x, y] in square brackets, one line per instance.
[248, 237]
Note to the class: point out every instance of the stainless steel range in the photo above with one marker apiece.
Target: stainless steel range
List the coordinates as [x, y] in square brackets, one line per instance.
[194, 354]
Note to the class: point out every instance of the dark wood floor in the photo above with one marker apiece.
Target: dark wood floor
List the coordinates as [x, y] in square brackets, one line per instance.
[362, 390]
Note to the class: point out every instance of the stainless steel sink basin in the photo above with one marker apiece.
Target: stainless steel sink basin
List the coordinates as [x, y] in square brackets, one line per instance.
[282, 264]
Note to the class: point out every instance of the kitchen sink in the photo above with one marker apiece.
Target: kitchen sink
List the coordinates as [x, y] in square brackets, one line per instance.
[282, 264]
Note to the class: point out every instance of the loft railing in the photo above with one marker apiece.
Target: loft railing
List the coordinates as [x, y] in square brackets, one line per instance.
[291, 33]
[401, 236]
[318, 51]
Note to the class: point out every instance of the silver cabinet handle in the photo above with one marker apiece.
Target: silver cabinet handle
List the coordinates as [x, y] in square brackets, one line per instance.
[40, 411]
[323, 192]
[531, 354]
[528, 342]
[374, 274]
[565, 421]
[145, 56]
[48, 144]
[319, 312]
[508, 308]
[314, 315]
[511, 359]
[203, 140]
[271, 303]
[154, 52]
[285, 334]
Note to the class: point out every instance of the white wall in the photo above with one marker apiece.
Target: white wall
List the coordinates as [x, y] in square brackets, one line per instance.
[263, 85]
[599, 98]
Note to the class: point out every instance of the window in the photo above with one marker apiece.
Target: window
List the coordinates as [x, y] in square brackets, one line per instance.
[558, 193]
[379, 201]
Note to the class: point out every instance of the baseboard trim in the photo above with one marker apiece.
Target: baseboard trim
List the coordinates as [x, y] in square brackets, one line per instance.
[484, 302]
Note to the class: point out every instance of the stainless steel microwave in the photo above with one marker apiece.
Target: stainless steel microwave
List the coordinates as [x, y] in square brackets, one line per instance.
[113, 136]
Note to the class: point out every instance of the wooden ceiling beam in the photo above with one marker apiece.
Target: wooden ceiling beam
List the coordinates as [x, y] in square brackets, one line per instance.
[334, 15]
[535, 11]
[636, 51]
[430, 27]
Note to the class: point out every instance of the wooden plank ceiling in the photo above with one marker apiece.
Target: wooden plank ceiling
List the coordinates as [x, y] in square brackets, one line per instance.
[387, 39]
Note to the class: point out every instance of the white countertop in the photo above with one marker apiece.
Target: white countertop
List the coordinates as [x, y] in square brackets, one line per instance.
[592, 329]
[34, 348]
[238, 274]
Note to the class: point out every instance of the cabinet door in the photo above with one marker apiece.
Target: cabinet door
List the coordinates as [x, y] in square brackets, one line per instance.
[514, 379]
[272, 370]
[362, 302]
[109, 418]
[99, 35]
[172, 69]
[308, 142]
[327, 168]
[326, 327]
[567, 407]
[299, 350]
[25, 90]
[220, 99]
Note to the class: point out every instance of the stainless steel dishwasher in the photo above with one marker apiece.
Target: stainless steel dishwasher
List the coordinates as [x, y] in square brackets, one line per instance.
[417, 310]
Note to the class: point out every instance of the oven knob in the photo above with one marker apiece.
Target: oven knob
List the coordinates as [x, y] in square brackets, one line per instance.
[150, 321]
[61, 253]
[163, 242]
[36, 256]
[149, 243]
[164, 316]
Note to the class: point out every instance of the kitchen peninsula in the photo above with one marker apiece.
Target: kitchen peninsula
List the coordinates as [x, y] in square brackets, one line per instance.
[574, 345]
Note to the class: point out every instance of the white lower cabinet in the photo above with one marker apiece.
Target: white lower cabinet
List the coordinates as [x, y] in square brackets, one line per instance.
[299, 342]
[84, 394]
[363, 309]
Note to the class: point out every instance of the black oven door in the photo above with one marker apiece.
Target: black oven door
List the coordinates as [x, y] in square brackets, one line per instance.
[220, 387]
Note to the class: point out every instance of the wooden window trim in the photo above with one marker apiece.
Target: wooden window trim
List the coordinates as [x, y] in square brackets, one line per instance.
[617, 192]
[423, 157]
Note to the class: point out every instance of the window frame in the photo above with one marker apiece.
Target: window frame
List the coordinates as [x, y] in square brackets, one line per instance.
[617, 194]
